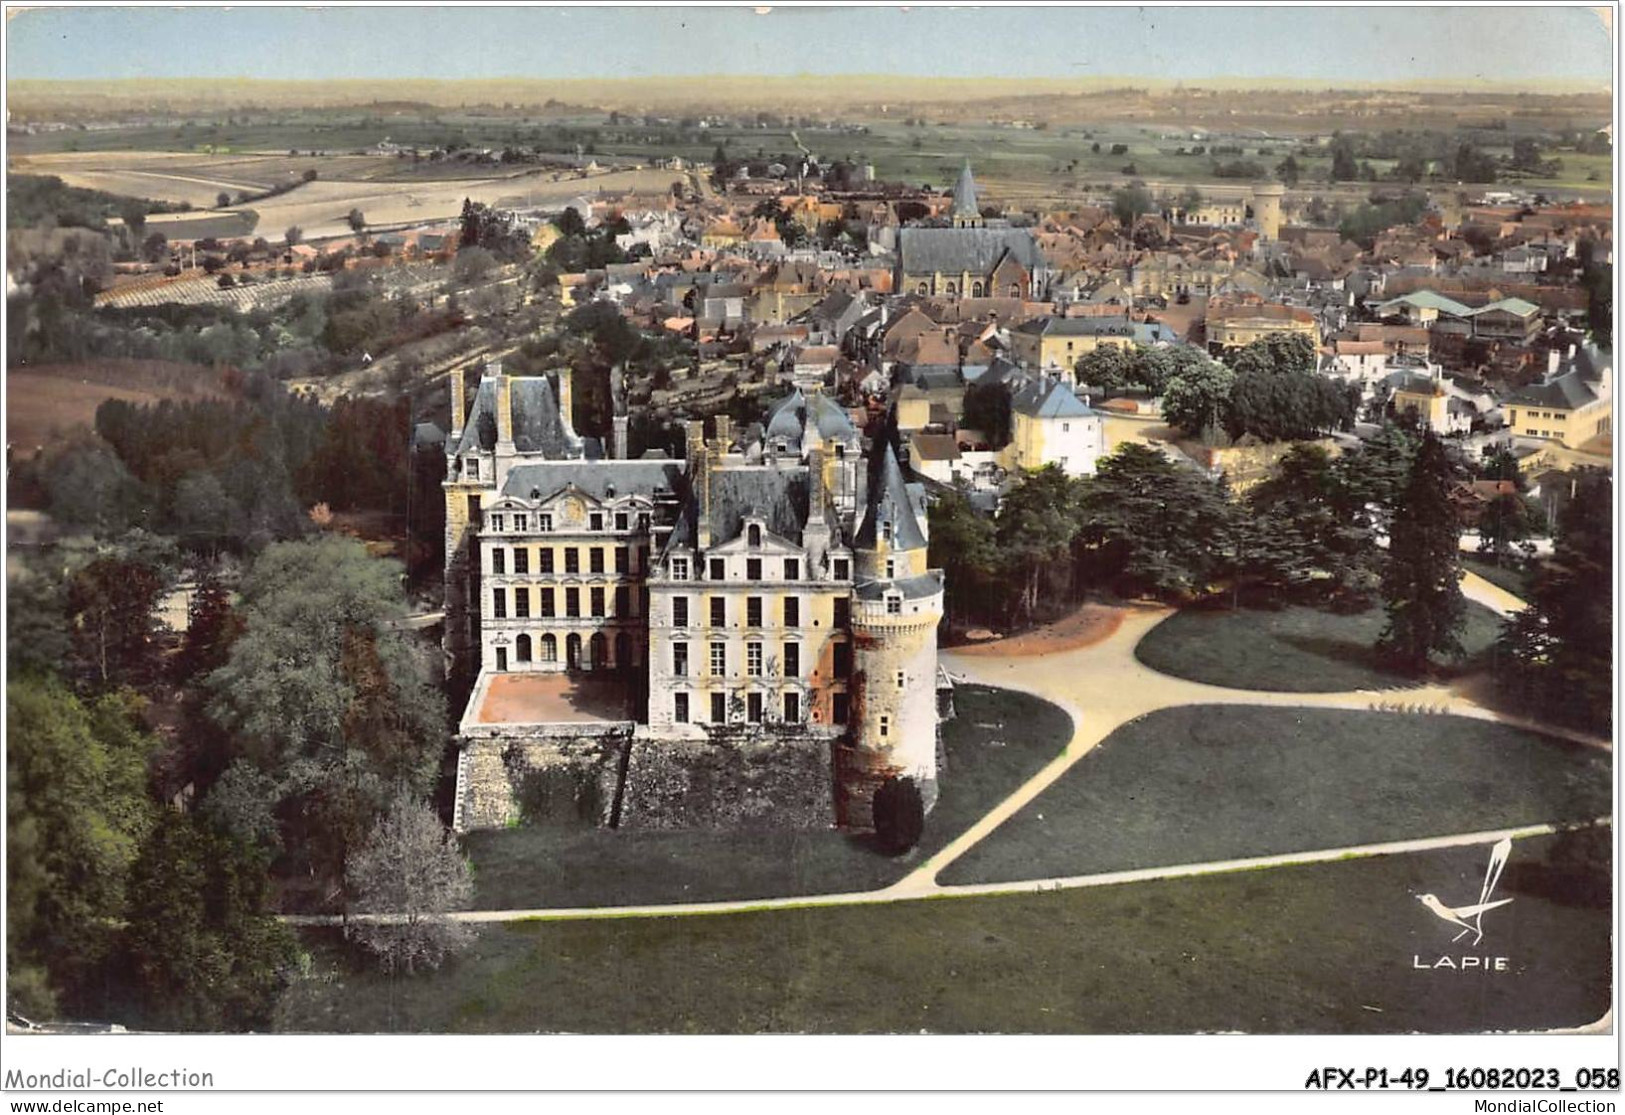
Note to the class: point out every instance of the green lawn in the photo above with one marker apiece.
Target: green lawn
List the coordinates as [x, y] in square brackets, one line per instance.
[1295, 650]
[1217, 782]
[1326, 948]
[1516, 579]
[998, 741]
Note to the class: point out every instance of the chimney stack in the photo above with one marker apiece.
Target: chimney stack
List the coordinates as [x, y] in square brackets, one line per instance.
[1552, 359]
[458, 414]
[566, 399]
[724, 433]
[702, 487]
[504, 405]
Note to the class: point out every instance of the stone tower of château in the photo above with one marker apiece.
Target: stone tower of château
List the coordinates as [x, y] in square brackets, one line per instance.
[897, 603]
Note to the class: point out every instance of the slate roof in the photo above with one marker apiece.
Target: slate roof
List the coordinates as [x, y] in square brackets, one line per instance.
[1428, 300]
[790, 416]
[910, 588]
[1077, 327]
[776, 495]
[537, 424]
[965, 194]
[595, 478]
[1567, 392]
[1053, 399]
[888, 501]
[953, 250]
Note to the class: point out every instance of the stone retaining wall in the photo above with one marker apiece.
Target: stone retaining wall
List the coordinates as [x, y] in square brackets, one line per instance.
[764, 780]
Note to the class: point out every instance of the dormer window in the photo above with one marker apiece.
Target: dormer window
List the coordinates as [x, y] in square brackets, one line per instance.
[894, 603]
[595, 521]
[497, 522]
[544, 521]
[885, 529]
[679, 569]
[622, 520]
[754, 535]
[521, 522]
[473, 468]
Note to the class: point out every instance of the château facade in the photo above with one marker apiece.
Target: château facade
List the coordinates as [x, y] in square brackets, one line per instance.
[684, 637]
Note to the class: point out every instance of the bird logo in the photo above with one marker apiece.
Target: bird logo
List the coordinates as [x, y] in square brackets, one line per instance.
[1471, 918]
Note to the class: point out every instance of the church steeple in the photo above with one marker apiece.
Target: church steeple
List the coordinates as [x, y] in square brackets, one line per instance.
[966, 213]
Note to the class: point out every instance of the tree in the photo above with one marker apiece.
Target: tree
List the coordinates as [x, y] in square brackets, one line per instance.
[155, 248]
[473, 264]
[1037, 522]
[37, 639]
[1555, 658]
[899, 815]
[1144, 524]
[112, 603]
[324, 698]
[1343, 165]
[293, 235]
[412, 872]
[1190, 200]
[211, 626]
[222, 200]
[1130, 202]
[987, 408]
[1197, 396]
[77, 811]
[1288, 171]
[356, 220]
[1421, 582]
[1506, 522]
[201, 946]
[1312, 541]
[963, 547]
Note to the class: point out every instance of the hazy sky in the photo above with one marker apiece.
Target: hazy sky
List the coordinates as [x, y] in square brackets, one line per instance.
[1376, 43]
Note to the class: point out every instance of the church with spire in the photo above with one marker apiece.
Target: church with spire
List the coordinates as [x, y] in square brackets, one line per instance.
[743, 637]
[974, 257]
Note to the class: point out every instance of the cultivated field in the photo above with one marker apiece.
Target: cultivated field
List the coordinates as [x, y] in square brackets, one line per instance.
[47, 404]
[320, 208]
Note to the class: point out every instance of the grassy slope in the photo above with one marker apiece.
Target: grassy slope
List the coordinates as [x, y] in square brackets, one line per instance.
[1206, 782]
[1321, 949]
[999, 740]
[1296, 650]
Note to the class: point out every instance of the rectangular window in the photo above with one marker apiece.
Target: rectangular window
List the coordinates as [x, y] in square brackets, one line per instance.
[718, 570]
[521, 522]
[544, 522]
[719, 611]
[679, 611]
[572, 602]
[792, 708]
[474, 510]
[753, 569]
[572, 560]
[473, 468]
[623, 601]
[838, 707]
[623, 559]
[521, 559]
[547, 603]
[499, 603]
[679, 569]
[679, 709]
[719, 659]
[792, 569]
[595, 521]
[843, 659]
[521, 603]
[621, 520]
[753, 707]
[792, 611]
[792, 660]
[891, 568]
[643, 522]
[595, 559]
[753, 659]
[544, 559]
[597, 601]
[885, 726]
[719, 708]
[843, 569]
[753, 611]
[498, 560]
[894, 605]
[497, 523]
[679, 660]
[843, 611]
[902, 679]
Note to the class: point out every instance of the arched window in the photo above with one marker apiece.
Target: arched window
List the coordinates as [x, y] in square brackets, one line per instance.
[953, 290]
[754, 535]
[976, 290]
[600, 651]
[550, 648]
[1015, 290]
[521, 648]
[922, 289]
[623, 652]
[572, 652]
